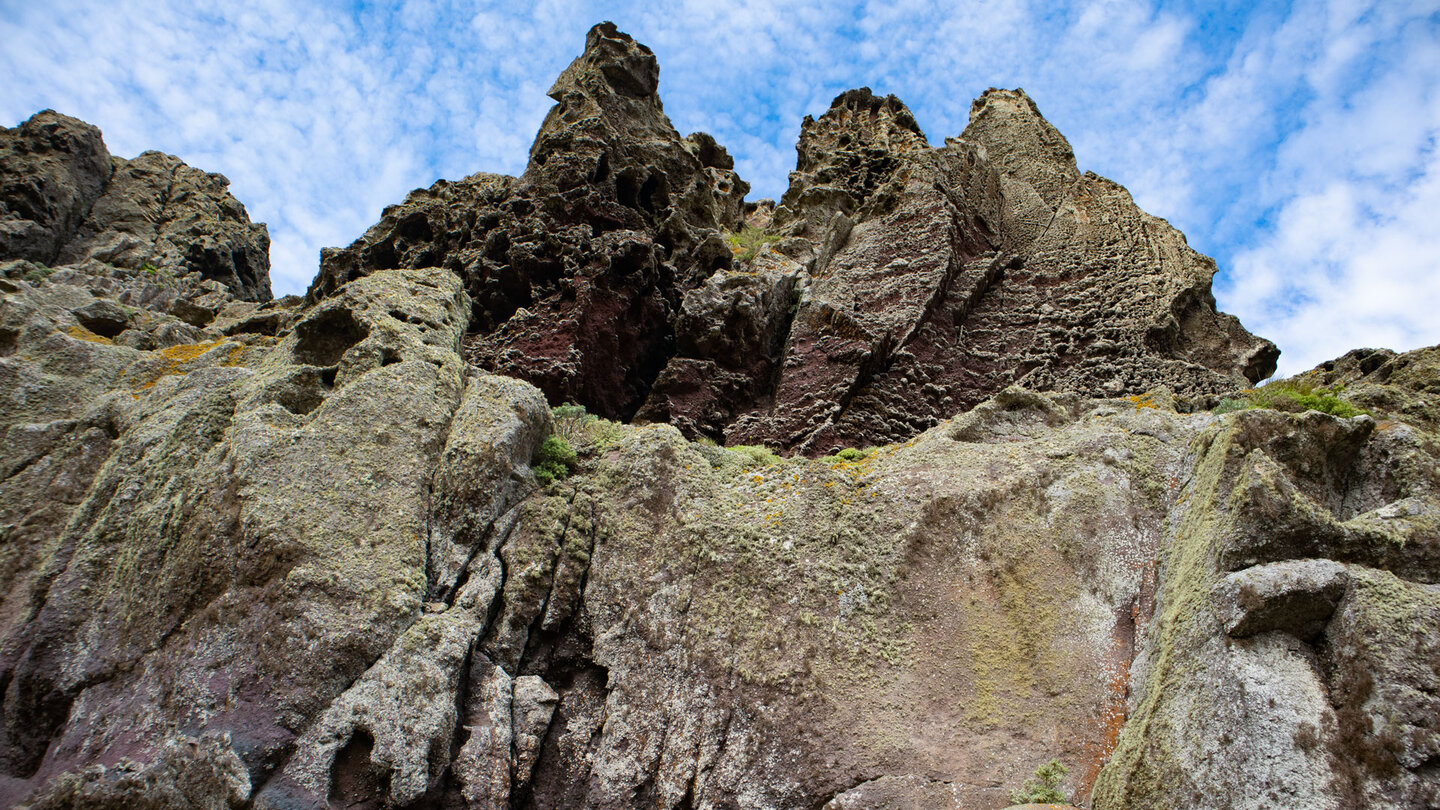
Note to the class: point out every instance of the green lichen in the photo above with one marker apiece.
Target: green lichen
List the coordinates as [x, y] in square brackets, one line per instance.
[1141, 769]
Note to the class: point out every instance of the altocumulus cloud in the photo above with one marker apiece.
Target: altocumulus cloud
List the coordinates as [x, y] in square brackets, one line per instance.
[1294, 143]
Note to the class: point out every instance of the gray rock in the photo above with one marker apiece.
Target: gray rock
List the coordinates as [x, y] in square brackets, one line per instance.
[297, 557]
[161, 216]
[52, 169]
[103, 317]
[147, 222]
[1296, 597]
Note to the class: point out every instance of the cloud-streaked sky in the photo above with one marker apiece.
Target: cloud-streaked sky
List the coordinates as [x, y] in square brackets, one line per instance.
[1296, 143]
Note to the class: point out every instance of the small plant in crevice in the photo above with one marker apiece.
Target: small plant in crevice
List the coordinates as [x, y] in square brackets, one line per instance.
[1044, 786]
[554, 460]
[38, 274]
[747, 242]
[572, 422]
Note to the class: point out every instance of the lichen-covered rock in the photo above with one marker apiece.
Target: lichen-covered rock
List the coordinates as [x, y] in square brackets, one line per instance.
[947, 612]
[256, 536]
[291, 554]
[130, 225]
[1306, 677]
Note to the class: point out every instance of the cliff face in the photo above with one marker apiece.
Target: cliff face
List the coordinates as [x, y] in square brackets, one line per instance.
[294, 555]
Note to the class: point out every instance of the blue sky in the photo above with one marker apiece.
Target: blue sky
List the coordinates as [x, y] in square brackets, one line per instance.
[1296, 143]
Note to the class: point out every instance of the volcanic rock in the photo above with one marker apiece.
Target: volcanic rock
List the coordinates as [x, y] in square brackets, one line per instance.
[576, 270]
[65, 201]
[893, 285]
[293, 554]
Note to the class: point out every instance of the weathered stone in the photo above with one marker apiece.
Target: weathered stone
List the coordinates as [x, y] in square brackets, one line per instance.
[1283, 684]
[292, 554]
[957, 271]
[273, 466]
[116, 225]
[190, 774]
[894, 285]
[577, 268]
[161, 216]
[907, 792]
[1296, 597]
[52, 169]
[104, 318]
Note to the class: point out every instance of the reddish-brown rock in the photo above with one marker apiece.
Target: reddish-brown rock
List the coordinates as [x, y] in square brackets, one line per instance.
[895, 284]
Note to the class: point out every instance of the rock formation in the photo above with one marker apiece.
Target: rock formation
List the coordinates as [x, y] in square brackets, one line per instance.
[293, 554]
[894, 284]
[64, 201]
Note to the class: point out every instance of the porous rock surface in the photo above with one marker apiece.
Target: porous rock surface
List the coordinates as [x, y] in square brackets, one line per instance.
[294, 555]
[895, 283]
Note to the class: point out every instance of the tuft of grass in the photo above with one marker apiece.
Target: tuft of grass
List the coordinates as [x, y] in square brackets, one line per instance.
[1293, 396]
[1044, 786]
[572, 422]
[755, 454]
[554, 460]
[747, 242]
[37, 274]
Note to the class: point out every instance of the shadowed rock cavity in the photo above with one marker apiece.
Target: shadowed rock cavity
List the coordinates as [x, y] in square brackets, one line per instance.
[894, 285]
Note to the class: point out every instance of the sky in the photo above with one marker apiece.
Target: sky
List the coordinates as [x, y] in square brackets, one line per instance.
[1295, 143]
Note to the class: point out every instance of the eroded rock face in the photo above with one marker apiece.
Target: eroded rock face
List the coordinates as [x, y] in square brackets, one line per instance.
[894, 285]
[1292, 662]
[292, 555]
[576, 269]
[934, 278]
[66, 204]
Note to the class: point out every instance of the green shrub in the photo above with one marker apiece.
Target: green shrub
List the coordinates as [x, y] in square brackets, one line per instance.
[553, 461]
[1293, 396]
[848, 454]
[756, 454]
[572, 422]
[1231, 405]
[748, 241]
[1044, 786]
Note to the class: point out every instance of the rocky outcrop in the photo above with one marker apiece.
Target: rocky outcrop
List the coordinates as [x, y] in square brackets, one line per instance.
[1292, 660]
[934, 278]
[66, 202]
[576, 270]
[894, 285]
[293, 554]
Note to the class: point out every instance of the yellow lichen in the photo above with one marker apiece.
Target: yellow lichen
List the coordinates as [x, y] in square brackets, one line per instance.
[81, 333]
